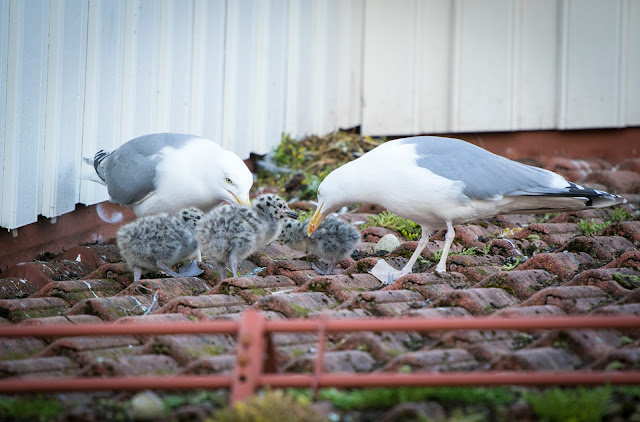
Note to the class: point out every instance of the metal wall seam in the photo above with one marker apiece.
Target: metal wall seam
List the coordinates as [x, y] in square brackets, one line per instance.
[25, 108]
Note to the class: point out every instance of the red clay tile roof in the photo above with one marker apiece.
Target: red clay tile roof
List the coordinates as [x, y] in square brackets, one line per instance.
[558, 271]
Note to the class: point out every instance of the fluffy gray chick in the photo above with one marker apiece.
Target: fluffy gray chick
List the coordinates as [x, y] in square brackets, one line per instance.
[334, 240]
[230, 233]
[159, 241]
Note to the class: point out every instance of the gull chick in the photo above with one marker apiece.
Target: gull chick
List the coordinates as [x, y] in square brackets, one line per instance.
[333, 241]
[159, 241]
[230, 233]
[439, 182]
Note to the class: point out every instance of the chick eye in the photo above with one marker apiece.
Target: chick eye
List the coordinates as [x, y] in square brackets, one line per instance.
[226, 179]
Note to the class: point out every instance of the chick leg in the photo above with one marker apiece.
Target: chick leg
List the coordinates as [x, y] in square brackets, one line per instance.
[137, 274]
[222, 270]
[167, 270]
[233, 263]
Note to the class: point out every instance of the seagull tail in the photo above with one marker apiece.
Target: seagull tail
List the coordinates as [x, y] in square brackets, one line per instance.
[97, 163]
[593, 198]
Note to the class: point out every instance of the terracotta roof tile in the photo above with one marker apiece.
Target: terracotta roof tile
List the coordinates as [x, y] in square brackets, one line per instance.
[152, 364]
[478, 301]
[206, 306]
[384, 302]
[166, 288]
[551, 233]
[88, 349]
[20, 309]
[562, 264]
[616, 282]
[184, 348]
[341, 287]
[602, 248]
[296, 304]
[213, 365]
[588, 344]
[338, 361]
[540, 358]
[382, 346]
[20, 348]
[57, 366]
[444, 360]
[519, 283]
[572, 299]
[614, 181]
[112, 308]
[252, 289]
[73, 291]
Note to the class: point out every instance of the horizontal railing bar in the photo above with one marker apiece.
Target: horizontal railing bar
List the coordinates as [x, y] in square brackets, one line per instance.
[111, 329]
[181, 382]
[487, 378]
[464, 323]
[331, 325]
[191, 382]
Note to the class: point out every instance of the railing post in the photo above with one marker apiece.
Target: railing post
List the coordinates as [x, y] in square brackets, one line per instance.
[250, 355]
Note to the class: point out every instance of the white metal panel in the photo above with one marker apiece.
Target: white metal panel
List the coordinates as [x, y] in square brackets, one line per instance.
[433, 61]
[484, 74]
[4, 58]
[208, 69]
[254, 89]
[632, 89]
[179, 65]
[142, 81]
[25, 108]
[389, 67]
[312, 89]
[592, 68]
[65, 101]
[349, 70]
[535, 106]
[103, 89]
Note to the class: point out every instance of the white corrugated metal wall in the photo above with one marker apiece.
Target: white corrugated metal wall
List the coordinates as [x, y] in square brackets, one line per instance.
[441, 66]
[80, 75]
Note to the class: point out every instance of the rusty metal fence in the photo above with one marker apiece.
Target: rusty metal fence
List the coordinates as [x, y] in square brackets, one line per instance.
[255, 354]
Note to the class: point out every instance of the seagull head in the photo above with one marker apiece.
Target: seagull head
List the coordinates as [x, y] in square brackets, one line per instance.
[335, 191]
[234, 179]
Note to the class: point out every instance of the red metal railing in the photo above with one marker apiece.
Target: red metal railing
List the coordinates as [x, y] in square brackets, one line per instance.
[254, 350]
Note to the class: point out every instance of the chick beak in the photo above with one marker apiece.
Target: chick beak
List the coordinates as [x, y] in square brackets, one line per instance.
[292, 214]
[315, 220]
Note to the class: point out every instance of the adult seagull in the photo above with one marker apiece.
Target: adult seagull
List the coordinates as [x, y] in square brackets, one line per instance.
[166, 172]
[438, 182]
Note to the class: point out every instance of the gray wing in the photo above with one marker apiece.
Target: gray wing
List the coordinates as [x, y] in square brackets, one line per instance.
[130, 170]
[484, 174]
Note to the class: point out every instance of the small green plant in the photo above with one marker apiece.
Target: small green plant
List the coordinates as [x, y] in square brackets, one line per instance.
[589, 228]
[407, 228]
[384, 398]
[510, 265]
[20, 408]
[577, 405]
[620, 214]
[270, 406]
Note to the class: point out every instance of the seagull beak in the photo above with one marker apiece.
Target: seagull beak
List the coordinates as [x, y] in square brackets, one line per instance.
[245, 201]
[315, 220]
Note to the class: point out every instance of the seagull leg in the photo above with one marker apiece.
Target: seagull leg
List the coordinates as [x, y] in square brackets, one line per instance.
[441, 268]
[199, 255]
[421, 245]
[387, 274]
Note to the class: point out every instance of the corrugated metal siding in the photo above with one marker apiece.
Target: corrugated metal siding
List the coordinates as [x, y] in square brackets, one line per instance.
[497, 65]
[79, 76]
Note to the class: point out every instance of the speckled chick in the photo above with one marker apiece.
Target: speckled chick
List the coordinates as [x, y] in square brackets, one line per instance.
[334, 240]
[159, 241]
[230, 233]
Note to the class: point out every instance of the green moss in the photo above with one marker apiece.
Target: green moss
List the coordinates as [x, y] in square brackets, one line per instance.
[270, 406]
[319, 286]
[630, 282]
[32, 408]
[300, 310]
[259, 292]
[501, 283]
[589, 228]
[407, 228]
[215, 350]
[579, 404]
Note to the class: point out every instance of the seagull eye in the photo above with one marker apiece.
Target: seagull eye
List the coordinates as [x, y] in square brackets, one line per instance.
[226, 179]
